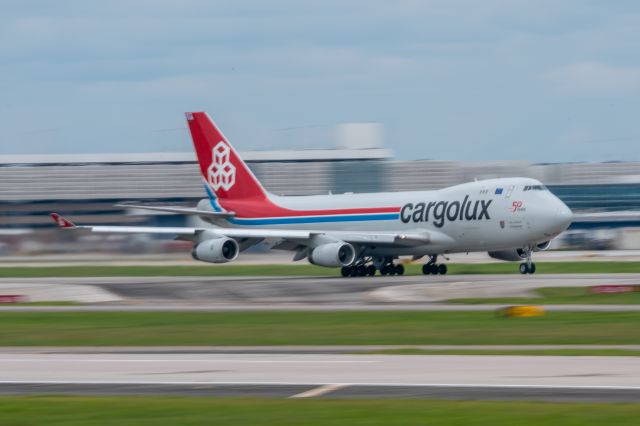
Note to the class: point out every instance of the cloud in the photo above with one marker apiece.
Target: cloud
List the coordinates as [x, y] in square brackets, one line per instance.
[448, 79]
[595, 79]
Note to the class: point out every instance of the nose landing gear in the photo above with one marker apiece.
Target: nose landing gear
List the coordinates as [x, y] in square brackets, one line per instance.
[528, 267]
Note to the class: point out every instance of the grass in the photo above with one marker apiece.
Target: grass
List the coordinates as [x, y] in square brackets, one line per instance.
[301, 269]
[559, 296]
[152, 271]
[313, 328]
[523, 352]
[142, 411]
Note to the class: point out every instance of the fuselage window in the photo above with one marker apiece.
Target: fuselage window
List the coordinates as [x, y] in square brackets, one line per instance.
[535, 188]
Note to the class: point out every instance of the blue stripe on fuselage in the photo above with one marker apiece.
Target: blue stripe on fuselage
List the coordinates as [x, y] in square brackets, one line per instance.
[315, 219]
[212, 199]
[304, 219]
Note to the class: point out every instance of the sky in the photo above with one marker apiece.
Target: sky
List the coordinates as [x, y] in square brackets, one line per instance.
[544, 81]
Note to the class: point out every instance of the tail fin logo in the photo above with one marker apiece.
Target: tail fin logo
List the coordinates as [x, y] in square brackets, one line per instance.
[221, 173]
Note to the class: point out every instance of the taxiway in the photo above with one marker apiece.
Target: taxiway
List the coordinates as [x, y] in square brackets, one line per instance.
[292, 292]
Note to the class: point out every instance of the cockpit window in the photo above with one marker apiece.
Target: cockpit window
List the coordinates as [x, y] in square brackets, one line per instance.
[535, 188]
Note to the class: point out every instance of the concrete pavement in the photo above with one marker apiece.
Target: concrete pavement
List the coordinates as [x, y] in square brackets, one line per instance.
[324, 375]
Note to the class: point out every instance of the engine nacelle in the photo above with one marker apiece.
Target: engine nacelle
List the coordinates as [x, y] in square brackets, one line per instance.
[333, 254]
[542, 246]
[218, 250]
[511, 255]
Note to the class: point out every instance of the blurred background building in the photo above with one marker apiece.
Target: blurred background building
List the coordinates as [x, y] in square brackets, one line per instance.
[86, 187]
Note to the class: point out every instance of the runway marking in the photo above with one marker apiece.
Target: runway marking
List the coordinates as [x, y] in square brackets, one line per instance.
[320, 390]
[267, 383]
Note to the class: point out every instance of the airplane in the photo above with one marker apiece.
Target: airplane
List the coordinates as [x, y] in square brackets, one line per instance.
[510, 218]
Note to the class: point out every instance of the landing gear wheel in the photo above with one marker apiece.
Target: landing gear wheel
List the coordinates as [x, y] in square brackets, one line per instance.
[389, 269]
[442, 269]
[433, 269]
[371, 270]
[361, 270]
[528, 267]
[532, 268]
[345, 271]
[399, 269]
[524, 268]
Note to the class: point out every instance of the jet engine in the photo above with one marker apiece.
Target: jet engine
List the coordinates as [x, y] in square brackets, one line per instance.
[542, 246]
[333, 254]
[508, 255]
[218, 250]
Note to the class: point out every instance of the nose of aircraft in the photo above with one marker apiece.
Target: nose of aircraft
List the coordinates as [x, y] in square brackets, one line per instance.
[563, 216]
[553, 216]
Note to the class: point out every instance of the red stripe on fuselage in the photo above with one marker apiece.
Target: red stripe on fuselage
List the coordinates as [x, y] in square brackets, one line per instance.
[263, 207]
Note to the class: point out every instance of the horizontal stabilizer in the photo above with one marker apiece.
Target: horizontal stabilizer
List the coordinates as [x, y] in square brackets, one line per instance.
[181, 210]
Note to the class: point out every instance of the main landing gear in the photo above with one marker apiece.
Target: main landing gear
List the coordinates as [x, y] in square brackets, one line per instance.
[392, 269]
[528, 267]
[432, 268]
[368, 267]
[358, 271]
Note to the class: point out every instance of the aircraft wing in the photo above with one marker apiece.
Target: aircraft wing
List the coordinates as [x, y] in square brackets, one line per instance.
[298, 237]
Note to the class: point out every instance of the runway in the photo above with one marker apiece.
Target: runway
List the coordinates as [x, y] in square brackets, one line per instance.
[273, 293]
[323, 375]
[310, 372]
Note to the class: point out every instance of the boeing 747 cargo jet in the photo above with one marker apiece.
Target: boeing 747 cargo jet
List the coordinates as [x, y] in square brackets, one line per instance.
[509, 218]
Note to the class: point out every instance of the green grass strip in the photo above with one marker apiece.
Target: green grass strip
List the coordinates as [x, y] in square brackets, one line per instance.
[152, 411]
[559, 296]
[301, 269]
[313, 328]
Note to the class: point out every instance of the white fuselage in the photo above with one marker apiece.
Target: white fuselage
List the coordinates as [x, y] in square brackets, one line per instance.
[485, 215]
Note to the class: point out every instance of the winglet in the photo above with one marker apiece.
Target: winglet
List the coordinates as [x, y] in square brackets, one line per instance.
[62, 221]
